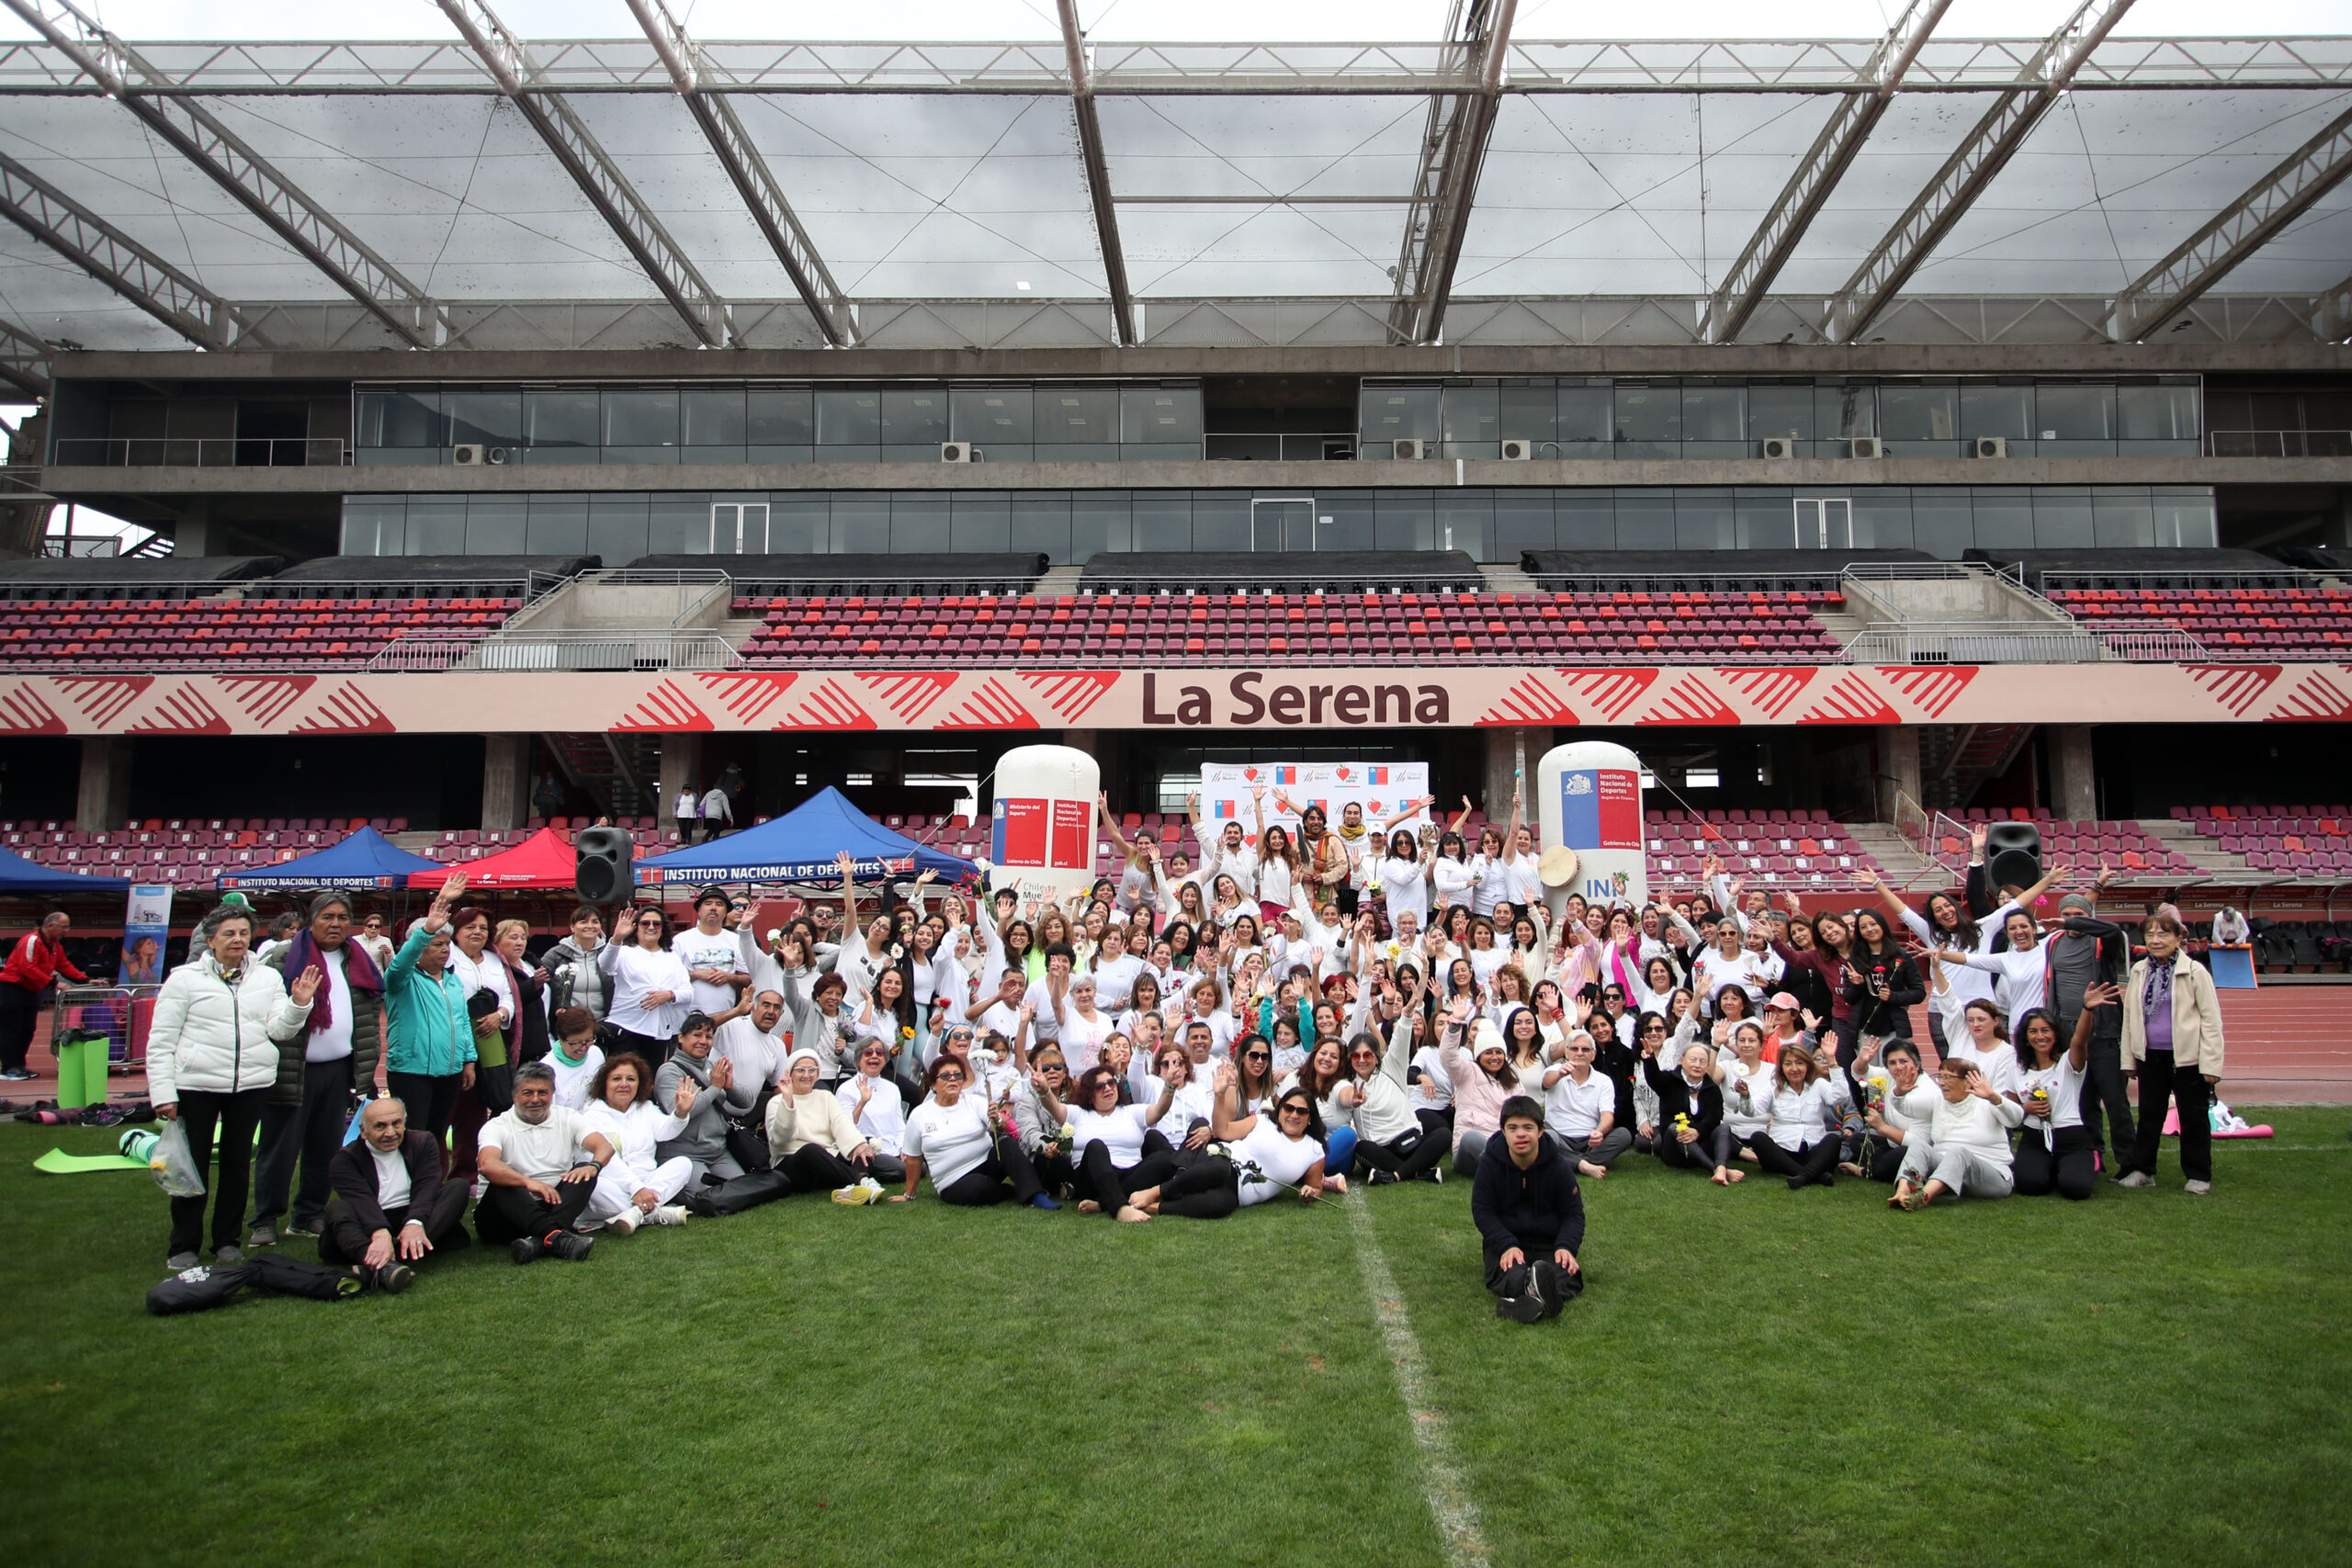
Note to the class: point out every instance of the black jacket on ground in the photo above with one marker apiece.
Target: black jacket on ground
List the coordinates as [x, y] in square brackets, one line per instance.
[1539, 1209]
[351, 1173]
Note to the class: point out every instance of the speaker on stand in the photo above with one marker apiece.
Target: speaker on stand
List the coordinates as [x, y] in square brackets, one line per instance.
[601, 866]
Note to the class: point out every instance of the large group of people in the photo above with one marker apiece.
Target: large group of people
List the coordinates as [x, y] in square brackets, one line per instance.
[1356, 1003]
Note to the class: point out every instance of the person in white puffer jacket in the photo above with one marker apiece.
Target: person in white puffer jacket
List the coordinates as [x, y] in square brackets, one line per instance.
[211, 1060]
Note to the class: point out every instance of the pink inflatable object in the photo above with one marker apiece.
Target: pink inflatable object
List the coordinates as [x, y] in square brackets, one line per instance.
[2172, 1127]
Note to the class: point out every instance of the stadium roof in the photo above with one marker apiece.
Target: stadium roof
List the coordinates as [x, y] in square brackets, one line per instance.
[490, 191]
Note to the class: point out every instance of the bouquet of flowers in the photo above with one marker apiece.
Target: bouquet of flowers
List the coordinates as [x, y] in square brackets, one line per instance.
[1874, 1091]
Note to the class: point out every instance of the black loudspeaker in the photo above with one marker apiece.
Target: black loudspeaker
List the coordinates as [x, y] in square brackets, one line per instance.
[601, 865]
[2013, 855]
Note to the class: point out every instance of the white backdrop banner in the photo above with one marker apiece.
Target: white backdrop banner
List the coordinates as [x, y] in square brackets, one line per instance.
[1381, 789]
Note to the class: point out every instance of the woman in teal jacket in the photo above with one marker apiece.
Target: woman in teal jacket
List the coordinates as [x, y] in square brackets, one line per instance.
[432, 1052]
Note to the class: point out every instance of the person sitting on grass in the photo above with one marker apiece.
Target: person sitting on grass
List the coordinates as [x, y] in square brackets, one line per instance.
[1276, 1154]
[2054, 1151]
[637, 1186]
[1530, 1215]
[1893, 1102]
[718, 1098]
[973, 1163]
[1116, 1154]
[1692, 1134]
[878, 1108]
[1965, 1151]
[1389, 1137]
[1802, 1142]
[389, 1208]
[575, 1057]
[813, 1140]
[1482, 1080]
[1581, 1106]
[542, 1163]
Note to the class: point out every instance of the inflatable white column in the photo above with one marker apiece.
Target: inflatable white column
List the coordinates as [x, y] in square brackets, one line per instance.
[1040, 827]
[1588, 798]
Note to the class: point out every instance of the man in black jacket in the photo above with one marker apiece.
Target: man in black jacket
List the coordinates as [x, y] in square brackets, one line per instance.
[390, 1207]
[1530, 1215]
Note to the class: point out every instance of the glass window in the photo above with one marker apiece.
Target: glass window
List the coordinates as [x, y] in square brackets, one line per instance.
[979, 521]
[1041, 522]
[1464, 519]
[712, 418]
[2062, 518]
[2004, 518]
[1402, 519]
[1078, 423]
[2004, 411]
[1911, 414]
[557, 526]
[915, 417]
[373, 524]
[1702, 519]
[2183, 517]
[1587, 421]
[849, 419]
[1584, 520]
[559, 419]
[800, 523]
[1529, 412]
[645, 417]
[1764, 519]
[1163, 521]
[617, 528]
[1470, 416]
[1392, 413]
[861, 523]
[1942, 523]
[1351, 527]
[1882, 518]
[1839, 412]
[491, 419]
[1522, 521]
[678, 523]
[437, 525]
[1100, 521]
[399, 419]
[1649, 420]
[2121, 518]
[1160, 416]
[2157, 421]
[2073, 413]
[919, 521]
[1780, 412]
[1221, 521]
[1645, 519]
[1715, 414]
[995, 419]
[782, 416]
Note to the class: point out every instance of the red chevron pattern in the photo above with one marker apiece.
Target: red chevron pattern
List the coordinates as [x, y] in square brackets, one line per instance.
[23, 712]
[2316, 699]
[991, 707]
[347, 710]
[1610, 691]
[1769, 691]
[748, 694]
[185, 710]
[910, 695]
[1688, 701]
[2236, 687]
[1530, 702]
[1070, 695]
[666, 708]
[828, 707]
[265, 698]
[104, 698]
[1851, 701]
[1930, 690]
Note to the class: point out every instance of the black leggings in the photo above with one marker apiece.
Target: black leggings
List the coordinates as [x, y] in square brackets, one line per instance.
[1410, 1155]
[984, 1183]
[238, 1117]
[1208, 1190]
[812, 1167]
[1813, 1162]
[2067, 1171]
[1112, 1185]
[1885, 1160]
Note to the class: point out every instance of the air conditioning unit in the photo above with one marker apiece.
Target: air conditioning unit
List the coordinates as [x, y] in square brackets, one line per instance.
[496, 455]
[1991, 445]
[1869, 446]
[1411, 449]
[1518, 451]
[1776, 447]
[954, 451]
[469, 457]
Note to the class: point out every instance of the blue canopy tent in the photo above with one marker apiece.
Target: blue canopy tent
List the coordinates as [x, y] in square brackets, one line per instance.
[18, 874]
[803, 845]
[365, 859]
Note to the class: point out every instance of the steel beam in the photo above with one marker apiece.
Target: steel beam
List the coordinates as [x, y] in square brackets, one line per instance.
[1098, 175]
[754, 181]
[1800, 201]
[2238, 230]
[24, 359]
[1454, 149]
[599, 179]
[115, 259]
[1971, 168]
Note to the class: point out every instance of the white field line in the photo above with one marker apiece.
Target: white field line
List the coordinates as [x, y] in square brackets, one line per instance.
[1442, 1484]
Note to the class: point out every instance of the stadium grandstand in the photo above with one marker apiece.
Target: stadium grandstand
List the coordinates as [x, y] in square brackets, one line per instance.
[1880, 437]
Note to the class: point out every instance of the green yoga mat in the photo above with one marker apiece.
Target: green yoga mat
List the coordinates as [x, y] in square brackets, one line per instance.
[57, 1162]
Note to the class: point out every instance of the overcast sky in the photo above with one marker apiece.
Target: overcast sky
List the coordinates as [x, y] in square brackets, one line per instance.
[1211, 20]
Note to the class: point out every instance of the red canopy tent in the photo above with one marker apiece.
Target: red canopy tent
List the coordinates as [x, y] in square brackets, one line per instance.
[544, 859]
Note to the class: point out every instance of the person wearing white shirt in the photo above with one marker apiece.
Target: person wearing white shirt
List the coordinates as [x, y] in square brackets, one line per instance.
[1084, 1026]
[635, 1185]
[1973, 1032]
[2055, 1153]
[575, 1056]
[650, 986]
[1966, 1150]
[687, 811]
[1274, 1155]
[951, 1133]
[1749, 1082]
[1404, 884]
[1801, 1144]
[878, 1108]
[711, 955]
[1001, 1015]
[1115, 970]
[1390, 1138]
[1226, 854]
[1581, 1106]
[541, 1165]
[2020, 961]
[752, 1037]
[1111, 1141]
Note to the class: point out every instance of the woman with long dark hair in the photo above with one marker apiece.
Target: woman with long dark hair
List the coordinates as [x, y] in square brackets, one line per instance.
[973, 1163]
[2053, 1148]
[1279, 1153]
[1880, 984]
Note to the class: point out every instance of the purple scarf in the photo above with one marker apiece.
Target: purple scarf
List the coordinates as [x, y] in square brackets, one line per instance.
[358, 972]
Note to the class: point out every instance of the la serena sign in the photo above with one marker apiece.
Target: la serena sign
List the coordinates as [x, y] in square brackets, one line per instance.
[1248, 701]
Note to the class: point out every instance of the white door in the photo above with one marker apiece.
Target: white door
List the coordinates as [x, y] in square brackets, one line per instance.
[739, 528]
[1825, 522]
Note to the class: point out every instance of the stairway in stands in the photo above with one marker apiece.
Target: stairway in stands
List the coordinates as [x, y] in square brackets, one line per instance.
[2206, 854]
[1904, 866]
[1956, 759]
[622, 773]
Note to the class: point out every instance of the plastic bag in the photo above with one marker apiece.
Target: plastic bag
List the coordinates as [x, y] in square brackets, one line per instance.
[173, 1164]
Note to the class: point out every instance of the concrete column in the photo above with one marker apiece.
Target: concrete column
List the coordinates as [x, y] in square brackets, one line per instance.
[506, 781]
[2074, 786]
[1503, 751]
[190, 532]
[681, 766]
[1898, 766]
[104, 802]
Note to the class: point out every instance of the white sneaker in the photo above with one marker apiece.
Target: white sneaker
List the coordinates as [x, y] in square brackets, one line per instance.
[874, 1188]
[2200, 1188]
[669, 1215]
[2137, 1178]
[626, 1220]
[854, 1194]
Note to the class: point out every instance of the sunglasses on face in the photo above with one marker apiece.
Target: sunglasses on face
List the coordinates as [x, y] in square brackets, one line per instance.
[1294, 1111]
[951, 1077]
[1255, 1056]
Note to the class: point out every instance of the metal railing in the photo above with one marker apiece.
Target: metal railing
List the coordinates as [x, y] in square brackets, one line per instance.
[2279, 443]
[1990, 642]
[200, 452]
[629, 649]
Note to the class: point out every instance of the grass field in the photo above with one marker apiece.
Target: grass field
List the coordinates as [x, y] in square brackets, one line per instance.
[1756, 1377]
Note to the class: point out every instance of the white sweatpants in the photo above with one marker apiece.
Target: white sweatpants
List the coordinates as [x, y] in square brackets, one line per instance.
[1963, 1171]
[617, 1185]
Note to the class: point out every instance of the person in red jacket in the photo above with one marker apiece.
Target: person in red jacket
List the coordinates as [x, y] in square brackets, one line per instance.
[34, 964]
